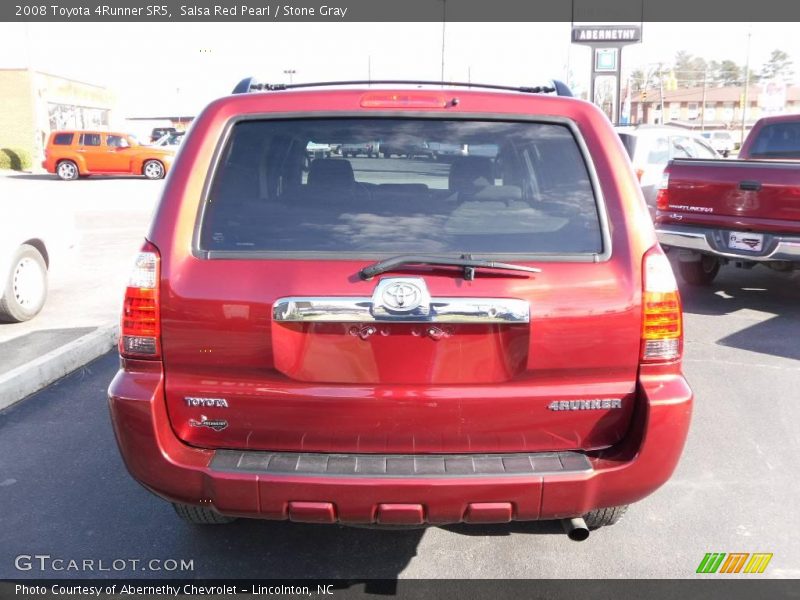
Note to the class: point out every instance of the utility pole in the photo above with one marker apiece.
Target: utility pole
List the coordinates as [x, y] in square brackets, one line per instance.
[661, 95]
[444, 22]
[746, 84]
[703, 106]
[290, 73]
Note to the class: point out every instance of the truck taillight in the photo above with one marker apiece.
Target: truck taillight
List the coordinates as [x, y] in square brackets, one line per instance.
[140, 330]
[662, 198]
[662, 317]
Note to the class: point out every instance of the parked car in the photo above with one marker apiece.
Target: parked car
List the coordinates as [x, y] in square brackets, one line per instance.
[73, 154]
[30, 247]
[721, 141]
[315, 150]
[160, 132]
[371, 344]
[368, 149]
[742, 212]
[407, 147]
[651, 148]
[445, 152]
[170, 140]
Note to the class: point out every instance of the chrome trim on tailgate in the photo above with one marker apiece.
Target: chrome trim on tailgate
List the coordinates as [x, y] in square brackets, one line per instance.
[709, 241]
[349, 309]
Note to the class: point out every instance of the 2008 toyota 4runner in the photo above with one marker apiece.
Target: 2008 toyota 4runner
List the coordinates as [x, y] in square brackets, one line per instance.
[384, 341]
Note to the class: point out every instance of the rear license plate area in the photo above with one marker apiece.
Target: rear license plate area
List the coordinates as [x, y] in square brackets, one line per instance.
[740, 240]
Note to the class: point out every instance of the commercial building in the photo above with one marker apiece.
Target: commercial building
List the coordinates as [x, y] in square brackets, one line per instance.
[713, 107]
[36, 103]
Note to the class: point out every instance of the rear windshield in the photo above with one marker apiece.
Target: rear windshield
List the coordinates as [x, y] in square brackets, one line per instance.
[510, 188]
[779, 140]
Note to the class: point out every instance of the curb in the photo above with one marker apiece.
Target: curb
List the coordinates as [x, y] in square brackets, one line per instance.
[26, 379]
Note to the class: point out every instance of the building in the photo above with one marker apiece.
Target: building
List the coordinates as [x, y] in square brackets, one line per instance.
[36, 103]
[712, 107]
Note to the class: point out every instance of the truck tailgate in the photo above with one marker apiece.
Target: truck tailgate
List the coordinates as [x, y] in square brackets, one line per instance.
[757, 195]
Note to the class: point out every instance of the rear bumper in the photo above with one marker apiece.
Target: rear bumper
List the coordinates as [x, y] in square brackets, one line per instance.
[251, 484]
[713, 241]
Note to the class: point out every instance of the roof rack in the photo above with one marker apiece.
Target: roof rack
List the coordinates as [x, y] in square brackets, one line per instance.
[250, 84]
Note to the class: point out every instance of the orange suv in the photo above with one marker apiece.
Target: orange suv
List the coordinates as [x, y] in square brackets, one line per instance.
[73, 154]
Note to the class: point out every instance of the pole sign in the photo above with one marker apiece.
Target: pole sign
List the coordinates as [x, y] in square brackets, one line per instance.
[606, 42]
[590, 34]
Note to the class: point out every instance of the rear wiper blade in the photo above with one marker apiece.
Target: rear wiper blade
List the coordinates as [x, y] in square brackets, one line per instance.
[469, 264]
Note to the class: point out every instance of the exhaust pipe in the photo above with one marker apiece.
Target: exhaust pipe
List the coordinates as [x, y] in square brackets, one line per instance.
[575, 529]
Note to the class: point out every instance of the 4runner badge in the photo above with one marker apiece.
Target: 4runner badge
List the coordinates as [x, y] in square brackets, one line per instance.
[597, 404]
[215, 424]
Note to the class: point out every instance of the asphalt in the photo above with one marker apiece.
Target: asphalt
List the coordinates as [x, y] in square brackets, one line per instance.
[65, 492]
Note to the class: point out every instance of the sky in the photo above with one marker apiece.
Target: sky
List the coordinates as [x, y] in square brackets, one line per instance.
[171, 68]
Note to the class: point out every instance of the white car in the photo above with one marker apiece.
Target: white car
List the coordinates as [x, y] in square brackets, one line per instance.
[170, 140]
[721, 141]
[650, 149]
[33, 239]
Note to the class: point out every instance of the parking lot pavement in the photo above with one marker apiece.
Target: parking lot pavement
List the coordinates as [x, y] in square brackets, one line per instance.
[111, 216]
[66, 493]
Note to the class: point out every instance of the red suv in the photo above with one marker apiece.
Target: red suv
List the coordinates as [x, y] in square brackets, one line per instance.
[400, 341]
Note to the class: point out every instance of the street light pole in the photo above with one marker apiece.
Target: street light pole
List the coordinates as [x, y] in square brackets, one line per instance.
[746, 84]
[290, 73]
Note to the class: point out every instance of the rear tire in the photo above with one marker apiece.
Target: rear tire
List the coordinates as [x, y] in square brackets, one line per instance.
[25, 289]
[199, 515]
[153, 169]
[603, 517]
[67, 170]
[701, 272]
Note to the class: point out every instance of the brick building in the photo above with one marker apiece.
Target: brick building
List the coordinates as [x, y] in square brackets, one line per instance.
[712, 108]
[36, 103]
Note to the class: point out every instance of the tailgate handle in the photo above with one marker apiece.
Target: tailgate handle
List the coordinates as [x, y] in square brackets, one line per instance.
[750, 186]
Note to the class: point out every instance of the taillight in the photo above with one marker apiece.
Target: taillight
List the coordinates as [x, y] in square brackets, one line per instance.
[662, 318]
[140, 330]
[662, 199]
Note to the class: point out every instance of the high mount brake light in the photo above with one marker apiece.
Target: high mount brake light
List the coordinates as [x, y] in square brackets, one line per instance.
[140, 329]
[404, 100]
[662, 317]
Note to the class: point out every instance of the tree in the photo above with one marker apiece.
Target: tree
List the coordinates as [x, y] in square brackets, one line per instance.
[725, 73]
[638, 80]
[779, 66]
[689, 70]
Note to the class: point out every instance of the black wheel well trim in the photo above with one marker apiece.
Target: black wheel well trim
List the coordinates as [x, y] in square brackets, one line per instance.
[41, 248]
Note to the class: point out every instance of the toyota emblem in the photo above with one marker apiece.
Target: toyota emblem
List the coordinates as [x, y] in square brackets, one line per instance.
[402, 296]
